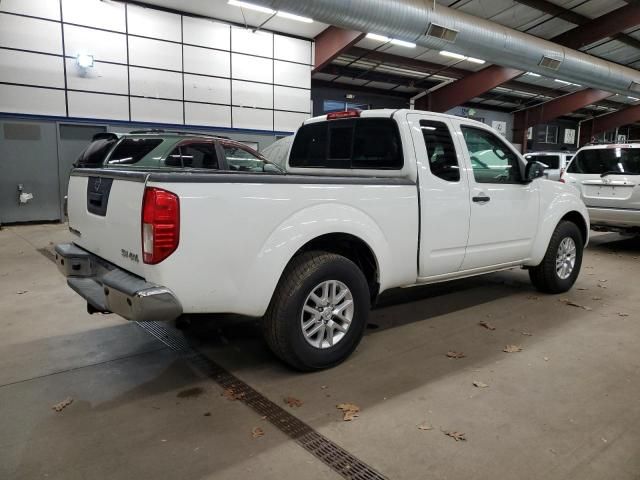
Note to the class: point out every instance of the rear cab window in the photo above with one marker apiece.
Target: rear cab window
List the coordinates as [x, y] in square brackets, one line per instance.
[243, 159]
[614, 160]
[96, 152]
[352, 143]
[130, 151]
[193, 154]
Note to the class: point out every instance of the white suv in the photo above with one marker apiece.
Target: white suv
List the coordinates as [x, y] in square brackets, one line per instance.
[608, 177]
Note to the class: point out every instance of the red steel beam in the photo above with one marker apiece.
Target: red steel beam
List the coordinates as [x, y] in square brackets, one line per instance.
[555, 108]
[604, 26]
[332, 42]
[593, 127]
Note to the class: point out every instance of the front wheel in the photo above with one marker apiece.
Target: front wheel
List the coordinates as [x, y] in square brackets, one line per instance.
[319, 311]
[561, 264]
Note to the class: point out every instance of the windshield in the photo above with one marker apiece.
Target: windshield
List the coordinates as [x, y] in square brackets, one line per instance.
[602, 160]
[551, 161]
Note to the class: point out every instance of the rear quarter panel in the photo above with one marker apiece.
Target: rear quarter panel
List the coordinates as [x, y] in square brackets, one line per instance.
[237, 238]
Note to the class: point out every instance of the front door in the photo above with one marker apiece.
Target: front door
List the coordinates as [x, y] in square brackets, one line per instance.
[444, 196]
[504, 209]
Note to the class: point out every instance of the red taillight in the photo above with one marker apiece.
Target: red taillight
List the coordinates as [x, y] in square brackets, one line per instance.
[561, 174]
[160, 225]
[347, 114]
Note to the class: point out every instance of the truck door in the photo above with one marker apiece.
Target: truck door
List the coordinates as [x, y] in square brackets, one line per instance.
[444, 196]
[504, 209]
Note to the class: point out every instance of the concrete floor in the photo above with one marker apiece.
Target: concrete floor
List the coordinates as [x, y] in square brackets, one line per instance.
[566, 406]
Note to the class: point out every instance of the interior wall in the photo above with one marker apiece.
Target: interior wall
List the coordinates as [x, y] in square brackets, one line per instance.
[536, 144]
[150, 66]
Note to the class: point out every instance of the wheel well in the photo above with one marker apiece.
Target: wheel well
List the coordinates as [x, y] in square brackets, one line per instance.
[578, 219]
[353, 248]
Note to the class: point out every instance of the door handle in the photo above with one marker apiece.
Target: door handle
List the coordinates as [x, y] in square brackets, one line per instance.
[481, 199]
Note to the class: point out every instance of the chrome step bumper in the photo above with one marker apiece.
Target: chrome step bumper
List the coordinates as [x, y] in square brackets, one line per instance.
[109, 289]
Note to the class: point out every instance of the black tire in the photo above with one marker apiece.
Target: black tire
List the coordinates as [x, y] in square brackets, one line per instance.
[545, 277]
[282, 322]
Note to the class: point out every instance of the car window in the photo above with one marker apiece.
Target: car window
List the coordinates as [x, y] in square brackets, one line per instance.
[441, 152]
[601, 160]
[551, 161]
[492, 161]
[242, 159]
[96, 152]
[364, 143]
[193, 155]
[131, 150]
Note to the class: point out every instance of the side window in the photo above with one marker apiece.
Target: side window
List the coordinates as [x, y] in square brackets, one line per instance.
[132, 150]
[193, 155]
[241, 159]
[491, 160]
[441, 152]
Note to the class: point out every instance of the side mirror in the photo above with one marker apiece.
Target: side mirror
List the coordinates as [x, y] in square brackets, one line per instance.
[533, 170]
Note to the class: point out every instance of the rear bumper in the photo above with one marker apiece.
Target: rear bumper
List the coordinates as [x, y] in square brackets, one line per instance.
[107, 288]
[613, 217]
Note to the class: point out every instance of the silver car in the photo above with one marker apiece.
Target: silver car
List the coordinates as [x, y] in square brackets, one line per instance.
[608, 177]
[556, 162]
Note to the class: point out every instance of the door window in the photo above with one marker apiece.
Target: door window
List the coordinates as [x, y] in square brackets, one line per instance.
[242, 159]
[441, 152]
[492, 161]
[193, 155]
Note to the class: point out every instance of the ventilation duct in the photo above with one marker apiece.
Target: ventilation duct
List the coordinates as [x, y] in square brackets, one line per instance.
[414, 21]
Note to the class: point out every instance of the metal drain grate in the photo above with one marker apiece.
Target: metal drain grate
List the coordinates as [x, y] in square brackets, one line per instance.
[318, 445]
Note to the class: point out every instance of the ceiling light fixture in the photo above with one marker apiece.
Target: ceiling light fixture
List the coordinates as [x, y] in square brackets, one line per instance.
[531, 74]
[452, 55]
[379, 38]
[563, 82]
[402, 43]
[297, 18]
[475, 60]
[633, 98]
[251, 6]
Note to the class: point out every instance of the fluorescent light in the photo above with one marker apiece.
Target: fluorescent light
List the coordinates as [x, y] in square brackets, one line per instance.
[380, 38]
[475, 60]
[531, 74]
[563, 82]
[402, 43]
[633, 98]
[452, 55]
[251, 6]
[84, 61]
[291, 16]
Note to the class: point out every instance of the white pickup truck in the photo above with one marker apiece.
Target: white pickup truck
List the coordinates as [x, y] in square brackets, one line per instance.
[371, 201]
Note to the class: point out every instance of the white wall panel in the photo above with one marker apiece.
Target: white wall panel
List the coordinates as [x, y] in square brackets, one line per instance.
[295, 99]
[251, 118]
[94, 105]
[150, 22]
[155, 53]
[36, 8]
[30, 34]
[31, 69]
[207, 62]
[158, 111]
[103, 77]
[292, 49]
[288, 122]
[250, 94]
[207, 89]
[30, 100]
[210, 115]
[245, 41]
[95, 13]
[292, 74]
[207, 33]
[245, 67]
[105, 46]
[155, 83]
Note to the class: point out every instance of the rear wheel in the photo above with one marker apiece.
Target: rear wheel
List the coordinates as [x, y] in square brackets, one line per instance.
[561, 264]
[319, 311]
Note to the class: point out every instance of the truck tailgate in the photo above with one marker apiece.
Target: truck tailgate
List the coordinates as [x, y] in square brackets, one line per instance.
[105, 215]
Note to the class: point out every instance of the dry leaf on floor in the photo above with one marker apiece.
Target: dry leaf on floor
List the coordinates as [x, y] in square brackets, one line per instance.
[452, 354]
[533, 297]
[512, 348]
[457, 436]
[424, 426]
[622, 314]
[486, 325]
[257, 432]
[479, 384]
[604, 280]
[293, 402]
[230, 394]
[596, 298]
[583, 288]
[58, 407]
[602, 286]
[571, 303]
[546, 359]
[527, 334]
[350, 411]
[21, 292]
